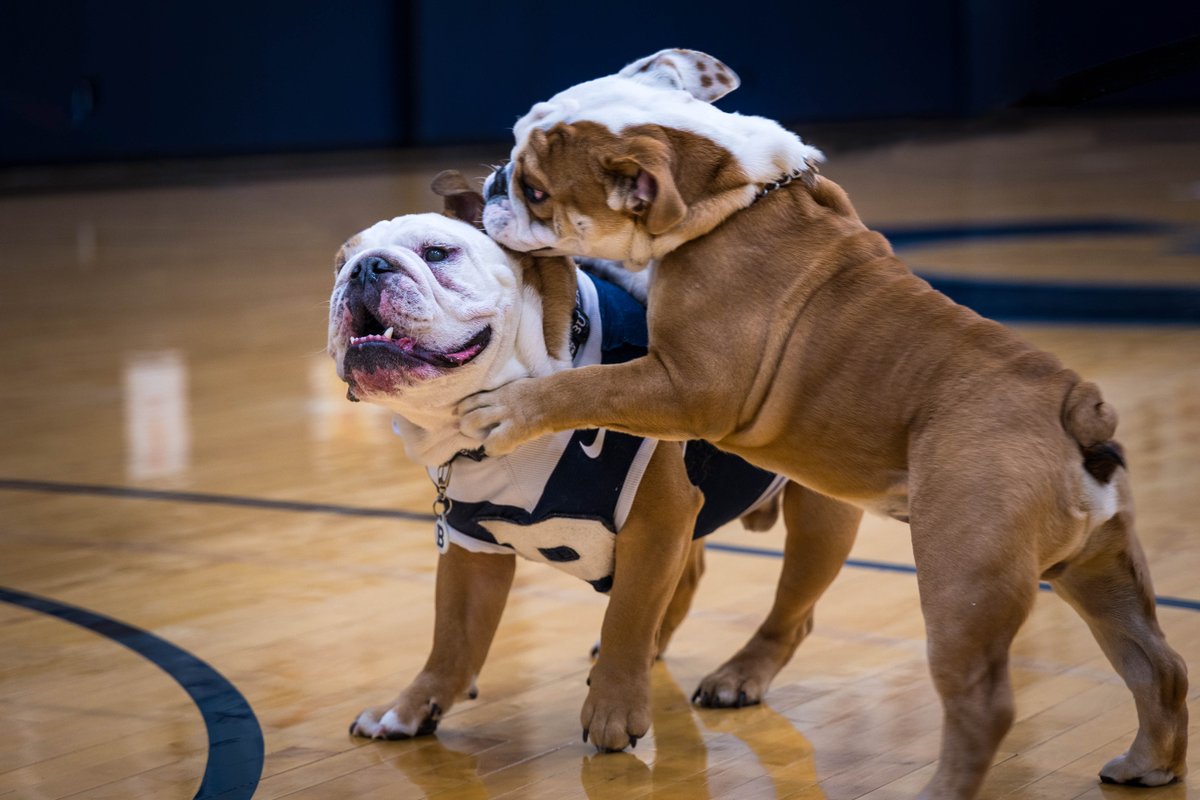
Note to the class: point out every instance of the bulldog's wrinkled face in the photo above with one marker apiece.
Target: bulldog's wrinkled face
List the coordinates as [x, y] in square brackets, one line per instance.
[630, 166]
[417, 299]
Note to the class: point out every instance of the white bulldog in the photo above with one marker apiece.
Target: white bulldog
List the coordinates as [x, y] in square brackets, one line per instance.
[427, 310]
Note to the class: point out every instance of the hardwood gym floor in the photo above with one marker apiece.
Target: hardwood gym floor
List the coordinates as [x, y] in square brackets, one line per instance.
[176, 455]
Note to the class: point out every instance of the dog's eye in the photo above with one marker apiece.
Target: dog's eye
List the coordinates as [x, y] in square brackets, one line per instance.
[531, 194]
[432, 255]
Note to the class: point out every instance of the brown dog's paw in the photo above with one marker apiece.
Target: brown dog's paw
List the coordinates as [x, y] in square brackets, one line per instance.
[1126, 771]
[615, 716]
[397, 721]
[499, 419]
[732, 686]
[744, 679]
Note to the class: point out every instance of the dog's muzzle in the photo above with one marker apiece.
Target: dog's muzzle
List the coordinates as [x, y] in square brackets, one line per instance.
[370, 268]
[497, 186]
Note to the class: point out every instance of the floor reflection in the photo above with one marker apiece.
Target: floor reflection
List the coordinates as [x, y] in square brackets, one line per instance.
[157, 430]
[683, 742]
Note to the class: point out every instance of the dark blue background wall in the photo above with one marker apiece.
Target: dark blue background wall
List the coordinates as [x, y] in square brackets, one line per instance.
[123, 79]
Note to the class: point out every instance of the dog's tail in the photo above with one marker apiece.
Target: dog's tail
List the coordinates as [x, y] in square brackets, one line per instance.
[1091, 422]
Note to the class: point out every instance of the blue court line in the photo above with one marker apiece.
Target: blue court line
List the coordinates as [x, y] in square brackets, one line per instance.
[203, 498]
[1052, 301]
[14, 484]
[953, 233]
[1161, 601]
[1015, 301]
[235, 740]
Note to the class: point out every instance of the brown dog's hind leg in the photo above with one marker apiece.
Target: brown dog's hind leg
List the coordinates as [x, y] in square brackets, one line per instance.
[1110, 588]
[820, 533]
[977, 572]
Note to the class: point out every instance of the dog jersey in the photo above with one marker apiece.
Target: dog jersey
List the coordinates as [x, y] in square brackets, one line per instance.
[563, 498]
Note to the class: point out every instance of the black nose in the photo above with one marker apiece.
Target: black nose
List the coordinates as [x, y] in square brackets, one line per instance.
[499, 184]
[370, 268]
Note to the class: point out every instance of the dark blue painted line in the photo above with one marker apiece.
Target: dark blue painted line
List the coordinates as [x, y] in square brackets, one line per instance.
[1049, 301]
[411, 516]
[201, 498]
[1015, 301]
[235, 740]
[926, 235]
[1168, 602]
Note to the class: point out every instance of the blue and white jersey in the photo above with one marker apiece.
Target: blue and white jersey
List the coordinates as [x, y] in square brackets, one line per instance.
[562, 499]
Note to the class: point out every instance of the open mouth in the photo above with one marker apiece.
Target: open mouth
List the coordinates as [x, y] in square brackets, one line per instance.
[384, 350]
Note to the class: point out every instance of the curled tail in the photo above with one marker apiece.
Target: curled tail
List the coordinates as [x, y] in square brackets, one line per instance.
[1091, 422]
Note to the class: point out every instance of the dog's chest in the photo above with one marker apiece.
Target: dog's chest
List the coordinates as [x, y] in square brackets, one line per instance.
[559, 500]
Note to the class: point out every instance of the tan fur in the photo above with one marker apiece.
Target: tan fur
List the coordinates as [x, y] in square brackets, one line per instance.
[791, 335]
[591, 163]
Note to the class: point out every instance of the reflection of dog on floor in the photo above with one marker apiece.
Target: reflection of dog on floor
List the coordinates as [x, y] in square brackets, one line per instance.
[427, 310]
[785, 331]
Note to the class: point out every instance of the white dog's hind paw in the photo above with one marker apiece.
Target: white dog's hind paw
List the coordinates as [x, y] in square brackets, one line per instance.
[371, 724]
[1127, 772]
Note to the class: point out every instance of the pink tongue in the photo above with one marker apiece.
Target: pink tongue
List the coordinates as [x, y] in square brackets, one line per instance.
[463, 355]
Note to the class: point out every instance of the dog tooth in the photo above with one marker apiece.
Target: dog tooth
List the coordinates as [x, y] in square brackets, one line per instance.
[388, 333]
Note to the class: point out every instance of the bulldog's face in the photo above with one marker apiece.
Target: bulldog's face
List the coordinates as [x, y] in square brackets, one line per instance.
[630, 166]
[418, 299]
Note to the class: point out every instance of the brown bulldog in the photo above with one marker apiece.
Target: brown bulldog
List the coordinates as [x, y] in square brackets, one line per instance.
[785, 331]
[427, 310]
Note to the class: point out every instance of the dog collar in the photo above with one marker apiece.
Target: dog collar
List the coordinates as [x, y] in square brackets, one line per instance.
[808, 173]
[581, 326]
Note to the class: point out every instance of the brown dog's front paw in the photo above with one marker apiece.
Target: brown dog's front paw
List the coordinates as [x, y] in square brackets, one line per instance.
[499, 419]
[614, 720]
[400, 721]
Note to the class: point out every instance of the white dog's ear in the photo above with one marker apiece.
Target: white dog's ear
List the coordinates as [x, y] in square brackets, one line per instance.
[460, 200]
[696, 73]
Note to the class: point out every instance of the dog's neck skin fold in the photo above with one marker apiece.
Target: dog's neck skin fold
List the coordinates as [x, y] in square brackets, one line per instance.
[425, 418]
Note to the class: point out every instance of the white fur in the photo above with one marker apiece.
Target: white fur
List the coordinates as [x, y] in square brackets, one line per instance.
[684, 69]
[1101, 500]
[492, 293]
[764, 148]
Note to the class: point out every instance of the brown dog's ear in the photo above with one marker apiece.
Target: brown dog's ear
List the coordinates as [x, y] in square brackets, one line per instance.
[645, 185]
[696, 73]
[460, 200]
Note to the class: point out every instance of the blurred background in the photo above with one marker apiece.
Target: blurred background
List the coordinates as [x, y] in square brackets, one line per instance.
[133, 79]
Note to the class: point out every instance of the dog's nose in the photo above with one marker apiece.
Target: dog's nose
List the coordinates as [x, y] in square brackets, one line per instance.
[370, 268]
[498, 187]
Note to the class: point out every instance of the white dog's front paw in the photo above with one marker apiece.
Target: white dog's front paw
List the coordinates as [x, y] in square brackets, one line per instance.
[397, 721]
